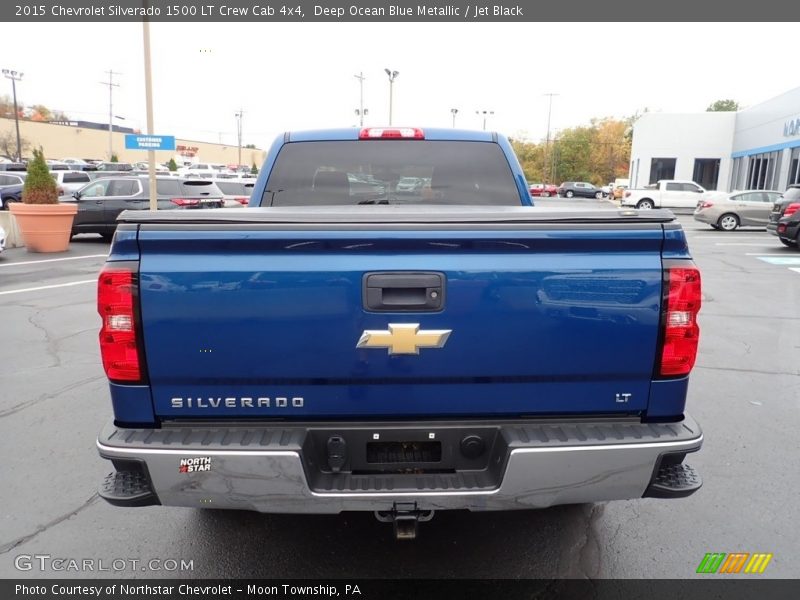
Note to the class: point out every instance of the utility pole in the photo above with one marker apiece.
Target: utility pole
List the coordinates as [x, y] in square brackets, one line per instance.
[239, 135]
[361, 112]
[110, 83]
[547, 142]
[14, 76]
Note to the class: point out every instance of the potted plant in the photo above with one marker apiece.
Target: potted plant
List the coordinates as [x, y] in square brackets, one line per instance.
[46, 224]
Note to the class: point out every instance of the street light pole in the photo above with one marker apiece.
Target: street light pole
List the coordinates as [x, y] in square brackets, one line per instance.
[485, 113]
[455, 112]
[392, 76]
[360, 110]
[547, 141]
[15, 77]
[239, 135]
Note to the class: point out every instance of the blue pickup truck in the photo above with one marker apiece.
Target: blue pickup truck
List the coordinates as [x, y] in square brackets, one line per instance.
[342, 346]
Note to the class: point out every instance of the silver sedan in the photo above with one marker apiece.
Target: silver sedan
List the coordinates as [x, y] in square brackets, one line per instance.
[729, 210]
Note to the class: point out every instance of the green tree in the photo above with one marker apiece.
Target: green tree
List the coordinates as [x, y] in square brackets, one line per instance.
[254, 169]
[172, 165]
[723, 106]
[114, 158]
[39, 186]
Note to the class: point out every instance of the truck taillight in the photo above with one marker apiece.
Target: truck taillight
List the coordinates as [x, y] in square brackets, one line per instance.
[791, 209]
[118, 336]
[185, 201]
[242, 200]
[681, 333]
[378, 133]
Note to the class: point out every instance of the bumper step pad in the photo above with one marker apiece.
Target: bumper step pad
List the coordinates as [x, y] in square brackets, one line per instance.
[127, 488]
[674, 481]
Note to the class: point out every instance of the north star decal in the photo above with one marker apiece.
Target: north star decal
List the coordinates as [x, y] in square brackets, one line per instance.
[236, 402]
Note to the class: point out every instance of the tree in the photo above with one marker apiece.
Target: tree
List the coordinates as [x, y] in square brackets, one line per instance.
[114, 158]
[8, 144]
[723, 106]
[172, 165]
[254, 169]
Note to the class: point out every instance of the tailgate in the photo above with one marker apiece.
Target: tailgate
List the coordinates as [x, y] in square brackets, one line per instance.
[263, 321]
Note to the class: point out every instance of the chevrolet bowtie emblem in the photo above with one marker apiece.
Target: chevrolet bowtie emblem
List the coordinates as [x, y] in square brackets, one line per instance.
[404, 338]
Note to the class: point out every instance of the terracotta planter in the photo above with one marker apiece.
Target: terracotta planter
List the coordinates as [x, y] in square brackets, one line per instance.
[45, 227]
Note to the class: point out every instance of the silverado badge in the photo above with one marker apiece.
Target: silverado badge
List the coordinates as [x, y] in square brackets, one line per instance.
[404, 338]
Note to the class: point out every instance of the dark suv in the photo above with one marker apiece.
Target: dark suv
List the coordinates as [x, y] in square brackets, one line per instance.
[582, 189]
[101, 202]
[784, 220]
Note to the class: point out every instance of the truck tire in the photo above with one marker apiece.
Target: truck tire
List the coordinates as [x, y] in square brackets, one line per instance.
[645, 204]
[728, 222]
[569, 194]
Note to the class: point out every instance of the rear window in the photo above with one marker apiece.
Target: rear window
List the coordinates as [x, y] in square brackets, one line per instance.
[791, 194]
[76, 178]
[200, 187]
[168, 187]
[233, 188]
[368, 172]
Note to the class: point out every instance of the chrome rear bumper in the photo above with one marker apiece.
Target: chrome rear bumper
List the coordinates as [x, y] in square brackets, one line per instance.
[273, 468]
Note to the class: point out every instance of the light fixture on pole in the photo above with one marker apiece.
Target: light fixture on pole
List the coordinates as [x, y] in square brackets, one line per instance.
[14, 76]
[361, 112]
[239, 135]
[547, 141]
[485, 114]
[392, 76]
[454, 112]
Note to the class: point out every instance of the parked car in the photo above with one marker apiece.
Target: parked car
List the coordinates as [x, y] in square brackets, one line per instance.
[78, 164]
[101, 201]
[784, 220]
[665, 193]
[114, 166]
[144, 166]
[9, 194]
[568, 189]
[410, 185]
[543, 190]
[727, 211]
[71, 181]
[203, 170]
[236, 192]
[12, 178]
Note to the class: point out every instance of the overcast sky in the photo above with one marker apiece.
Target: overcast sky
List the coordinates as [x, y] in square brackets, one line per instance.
[302, 75]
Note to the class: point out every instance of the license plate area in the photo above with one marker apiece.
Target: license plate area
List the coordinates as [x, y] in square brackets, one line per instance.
[404, 452]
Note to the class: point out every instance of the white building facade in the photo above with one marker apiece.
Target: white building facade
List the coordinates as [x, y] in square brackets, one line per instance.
[755, 148]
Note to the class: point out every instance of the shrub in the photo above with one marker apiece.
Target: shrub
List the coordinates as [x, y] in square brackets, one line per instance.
[39, 187]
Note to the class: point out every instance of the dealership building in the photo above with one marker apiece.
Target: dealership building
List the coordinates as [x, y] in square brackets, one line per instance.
[754, 148]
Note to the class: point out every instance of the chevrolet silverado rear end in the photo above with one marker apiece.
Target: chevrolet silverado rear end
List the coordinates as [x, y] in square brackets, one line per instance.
[338, 346]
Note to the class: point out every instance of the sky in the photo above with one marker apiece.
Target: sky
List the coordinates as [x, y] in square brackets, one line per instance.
[289, 76]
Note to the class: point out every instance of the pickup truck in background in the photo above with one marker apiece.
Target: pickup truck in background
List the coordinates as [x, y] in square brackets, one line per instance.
[329, 350]
[665, 193]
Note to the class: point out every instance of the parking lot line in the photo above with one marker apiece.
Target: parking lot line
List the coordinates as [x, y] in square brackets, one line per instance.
[742, 237]
[795, 269]
[48, 287]
[48, 260]
[737, 244]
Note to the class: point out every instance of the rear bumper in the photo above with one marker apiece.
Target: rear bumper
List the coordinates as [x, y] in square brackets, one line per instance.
[276, 469]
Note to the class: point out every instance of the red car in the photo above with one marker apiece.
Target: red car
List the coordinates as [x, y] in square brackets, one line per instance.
[544, 190]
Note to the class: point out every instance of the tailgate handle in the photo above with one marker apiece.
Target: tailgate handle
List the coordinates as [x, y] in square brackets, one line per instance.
[404, 291]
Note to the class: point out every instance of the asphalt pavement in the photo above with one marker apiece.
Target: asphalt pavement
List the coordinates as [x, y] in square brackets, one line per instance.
[745, 392]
